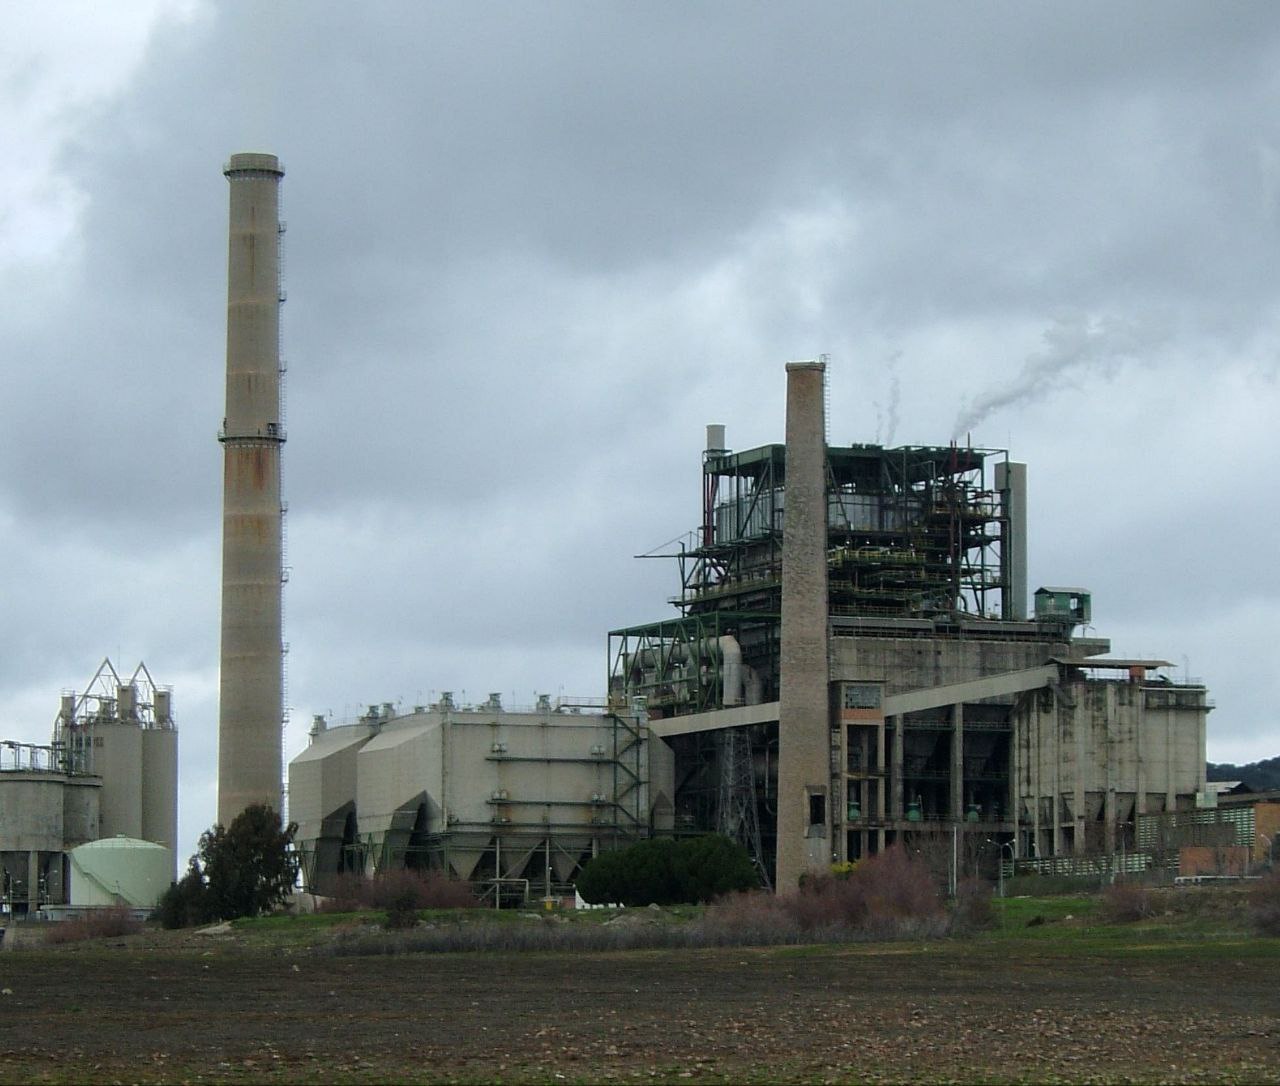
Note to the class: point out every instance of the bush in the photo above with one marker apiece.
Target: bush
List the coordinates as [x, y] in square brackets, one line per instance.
[1264, 905]
[662, 871]
[972, 910]
[106, 923]
[888, 894]
[420, 889]
[401, 911]
[409, 890]
[344, 893]
[1123, 903]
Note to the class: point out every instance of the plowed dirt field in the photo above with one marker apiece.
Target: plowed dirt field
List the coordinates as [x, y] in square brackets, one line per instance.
[889, 1012]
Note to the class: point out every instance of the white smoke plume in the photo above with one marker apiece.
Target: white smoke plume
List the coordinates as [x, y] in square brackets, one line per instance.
[1073, 345]
[895, 397]
[887, 417]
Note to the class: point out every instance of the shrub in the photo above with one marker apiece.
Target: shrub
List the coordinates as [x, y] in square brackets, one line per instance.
[106, 923]
[1123, 903]
[417, 890]
[888, 894]
[345, 893]
[711, 866]
[1264, 904]
[893, 893]
[402, 913]
[412, 890]
[662, 871]
[972, 910]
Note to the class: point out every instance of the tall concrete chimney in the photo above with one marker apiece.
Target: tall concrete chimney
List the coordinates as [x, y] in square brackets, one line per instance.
[804, 742]
[251, 697]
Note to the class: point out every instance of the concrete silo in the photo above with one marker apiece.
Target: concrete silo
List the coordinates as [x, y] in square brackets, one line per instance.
[251, 700]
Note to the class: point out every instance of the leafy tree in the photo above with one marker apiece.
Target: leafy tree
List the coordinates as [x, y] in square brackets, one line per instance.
[249, 867]
[662, 871]
[241, 870]
[712, 866]
[186, 902]
[1263, 776]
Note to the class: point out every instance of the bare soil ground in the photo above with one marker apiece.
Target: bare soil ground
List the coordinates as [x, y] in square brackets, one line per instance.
[226, 1011]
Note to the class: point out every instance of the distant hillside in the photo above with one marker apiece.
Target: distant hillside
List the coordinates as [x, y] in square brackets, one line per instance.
[1261, 776]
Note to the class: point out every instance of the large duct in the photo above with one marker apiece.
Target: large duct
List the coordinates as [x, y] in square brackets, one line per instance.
[804, 769]
[251, 697]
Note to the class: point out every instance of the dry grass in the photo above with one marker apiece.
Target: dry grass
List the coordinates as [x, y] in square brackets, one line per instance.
[402, 891]
[973, 909]
[1125, 903]
[1264, 905]
[888, 896]
[99, 924]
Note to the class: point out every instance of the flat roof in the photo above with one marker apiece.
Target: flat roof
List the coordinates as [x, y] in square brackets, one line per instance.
[1107, 662]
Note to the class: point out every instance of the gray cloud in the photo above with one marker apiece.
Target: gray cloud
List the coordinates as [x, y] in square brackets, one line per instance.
[533, 249]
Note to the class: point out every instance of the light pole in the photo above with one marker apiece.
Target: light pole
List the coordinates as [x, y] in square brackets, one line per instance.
[1002, 845]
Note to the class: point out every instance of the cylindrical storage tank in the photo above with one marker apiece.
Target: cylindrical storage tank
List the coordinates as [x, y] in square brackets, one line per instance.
[127, 701]
[160, 787]
[116, 752]
[164, 707]
[120, 871]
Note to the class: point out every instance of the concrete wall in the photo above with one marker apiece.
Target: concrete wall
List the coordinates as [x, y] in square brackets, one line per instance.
[31, 812]
[1091, 756]
[81, 810]
[39, 814]
[912, 663]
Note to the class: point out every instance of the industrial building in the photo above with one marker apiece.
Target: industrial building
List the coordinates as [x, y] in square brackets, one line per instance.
[109, 773]
[514, 801]
[853, 661]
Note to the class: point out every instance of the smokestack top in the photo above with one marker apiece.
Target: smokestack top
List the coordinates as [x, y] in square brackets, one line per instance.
[253, 162]
[809, 365]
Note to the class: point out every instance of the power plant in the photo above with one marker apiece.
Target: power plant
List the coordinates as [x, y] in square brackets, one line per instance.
[251, 679]
[92, 817]
[852, 665]
[853, 626]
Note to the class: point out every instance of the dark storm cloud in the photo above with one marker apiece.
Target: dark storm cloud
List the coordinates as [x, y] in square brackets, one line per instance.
[532, 249]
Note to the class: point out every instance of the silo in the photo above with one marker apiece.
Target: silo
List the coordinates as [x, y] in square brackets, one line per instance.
[117, 759]
[160, 787]
[251, 698]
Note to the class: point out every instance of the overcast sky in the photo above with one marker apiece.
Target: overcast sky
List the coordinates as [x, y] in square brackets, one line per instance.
[533, 249]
